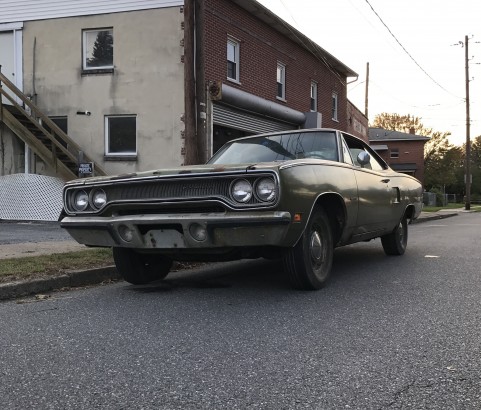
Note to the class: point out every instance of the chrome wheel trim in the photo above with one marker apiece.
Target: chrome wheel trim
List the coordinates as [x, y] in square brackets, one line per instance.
[315, 248]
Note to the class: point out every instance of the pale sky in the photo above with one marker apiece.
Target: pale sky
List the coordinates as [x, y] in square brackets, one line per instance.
[419, 72]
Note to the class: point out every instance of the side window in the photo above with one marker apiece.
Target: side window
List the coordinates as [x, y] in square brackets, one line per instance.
[394, 152]
[98, 50]
[334, 106]
[346, 154]
[355, 147]
[313, 96]
[281, 81]
[233, 60]
[121, 135]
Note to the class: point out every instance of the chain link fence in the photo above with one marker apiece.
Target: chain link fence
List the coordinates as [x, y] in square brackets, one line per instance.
[30, 197]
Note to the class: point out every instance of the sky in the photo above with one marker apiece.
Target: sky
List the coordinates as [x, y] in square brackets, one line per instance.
[415, 50]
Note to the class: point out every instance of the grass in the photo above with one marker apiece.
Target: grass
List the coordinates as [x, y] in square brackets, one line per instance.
[55, 264]
[438, 208]
[476, 208]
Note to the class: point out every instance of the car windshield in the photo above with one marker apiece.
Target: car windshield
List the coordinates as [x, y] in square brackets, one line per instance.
[282, 147]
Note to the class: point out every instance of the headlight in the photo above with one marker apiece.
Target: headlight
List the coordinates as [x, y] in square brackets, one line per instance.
[266, 189]
[80, 200]
[241, 191]
[99, 198]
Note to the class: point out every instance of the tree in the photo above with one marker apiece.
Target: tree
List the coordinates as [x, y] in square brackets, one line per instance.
[103, 51]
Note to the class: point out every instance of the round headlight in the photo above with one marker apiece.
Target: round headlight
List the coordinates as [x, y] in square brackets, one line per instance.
[80, 200]
[241, 191]
[266, 189]
[99, 198]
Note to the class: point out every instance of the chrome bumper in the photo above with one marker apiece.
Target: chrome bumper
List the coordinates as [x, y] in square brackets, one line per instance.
[190, 231]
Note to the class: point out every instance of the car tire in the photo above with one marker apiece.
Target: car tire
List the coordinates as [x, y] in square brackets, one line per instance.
[140, 269]
[396, 242]
[308, 263]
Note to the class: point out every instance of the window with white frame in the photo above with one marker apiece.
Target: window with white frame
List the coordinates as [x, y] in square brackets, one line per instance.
[281, 81]
[121, 135]
[313, 96]
[233, 59]
[334, 106]
[98, 49]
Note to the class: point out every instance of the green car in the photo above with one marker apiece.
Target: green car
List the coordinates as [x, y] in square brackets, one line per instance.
[294, 195]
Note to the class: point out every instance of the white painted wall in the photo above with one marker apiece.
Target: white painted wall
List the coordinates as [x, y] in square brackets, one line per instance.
[148, 81]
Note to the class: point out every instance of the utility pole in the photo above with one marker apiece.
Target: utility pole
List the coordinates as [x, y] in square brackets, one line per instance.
[366, 102]
[467, 204]
[190, 141]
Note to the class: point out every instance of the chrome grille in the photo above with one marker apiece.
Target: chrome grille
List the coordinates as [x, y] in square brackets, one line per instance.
[172, 192]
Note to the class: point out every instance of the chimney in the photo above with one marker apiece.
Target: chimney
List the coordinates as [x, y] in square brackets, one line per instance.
[412, 131]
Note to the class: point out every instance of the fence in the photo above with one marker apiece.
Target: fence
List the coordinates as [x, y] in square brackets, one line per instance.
[30, 197]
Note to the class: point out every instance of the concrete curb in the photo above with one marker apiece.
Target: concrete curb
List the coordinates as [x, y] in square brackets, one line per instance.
[426, 217]
[97, 275]
[71, 279]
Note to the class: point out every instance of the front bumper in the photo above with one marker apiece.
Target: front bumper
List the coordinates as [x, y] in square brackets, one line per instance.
[190, 231]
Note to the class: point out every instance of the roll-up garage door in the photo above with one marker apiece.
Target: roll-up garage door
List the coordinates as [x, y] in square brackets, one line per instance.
[230, 117]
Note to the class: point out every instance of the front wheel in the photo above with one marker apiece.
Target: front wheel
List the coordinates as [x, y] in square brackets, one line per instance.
[308, 263]
[138, 268]
[396, 242]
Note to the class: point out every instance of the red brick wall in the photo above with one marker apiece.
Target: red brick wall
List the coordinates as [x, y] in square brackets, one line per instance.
[409, 152]
[357, 123]
[261, 47]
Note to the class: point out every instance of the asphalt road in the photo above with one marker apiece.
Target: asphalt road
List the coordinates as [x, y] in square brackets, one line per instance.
[386, 333]
[30, 232]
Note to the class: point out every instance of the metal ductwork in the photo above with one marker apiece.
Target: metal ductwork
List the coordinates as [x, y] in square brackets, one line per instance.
[242, 100]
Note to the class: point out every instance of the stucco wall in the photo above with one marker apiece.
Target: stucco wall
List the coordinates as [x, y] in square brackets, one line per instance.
[148, 80]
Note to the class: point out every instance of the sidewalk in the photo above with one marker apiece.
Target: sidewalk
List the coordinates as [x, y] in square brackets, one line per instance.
[92, 276]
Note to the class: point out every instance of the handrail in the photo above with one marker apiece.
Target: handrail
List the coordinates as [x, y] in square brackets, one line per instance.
[72, 150]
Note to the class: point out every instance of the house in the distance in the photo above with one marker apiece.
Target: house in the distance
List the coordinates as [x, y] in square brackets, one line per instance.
[403, 151]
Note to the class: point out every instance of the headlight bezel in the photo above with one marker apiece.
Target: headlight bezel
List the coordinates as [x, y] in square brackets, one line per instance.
[74, 200]
[249, 190]
[271, 197]
[94, 194]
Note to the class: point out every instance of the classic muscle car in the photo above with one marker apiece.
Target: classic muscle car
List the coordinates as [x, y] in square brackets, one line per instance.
[294, 195]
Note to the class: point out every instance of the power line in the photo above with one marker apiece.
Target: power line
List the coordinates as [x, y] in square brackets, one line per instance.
[407, 52]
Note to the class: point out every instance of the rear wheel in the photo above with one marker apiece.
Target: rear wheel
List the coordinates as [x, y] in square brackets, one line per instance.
[396, 242]
[138, 268]
[308, 263]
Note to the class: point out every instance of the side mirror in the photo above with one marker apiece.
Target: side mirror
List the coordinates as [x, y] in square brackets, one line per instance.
[363, 158]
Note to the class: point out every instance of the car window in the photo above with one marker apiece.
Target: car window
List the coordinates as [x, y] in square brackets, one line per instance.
[355, 147]
[280, 147]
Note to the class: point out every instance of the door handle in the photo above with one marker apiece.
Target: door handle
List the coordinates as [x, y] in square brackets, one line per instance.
[385, 180]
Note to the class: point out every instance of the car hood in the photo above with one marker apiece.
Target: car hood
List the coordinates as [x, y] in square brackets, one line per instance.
[192, 169]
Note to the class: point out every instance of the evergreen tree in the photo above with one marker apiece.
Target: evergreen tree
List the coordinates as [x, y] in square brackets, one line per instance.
[103, 50]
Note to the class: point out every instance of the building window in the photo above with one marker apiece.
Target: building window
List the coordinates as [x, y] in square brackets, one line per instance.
[394, 153]
[121, 135]
[281, 81]
[334, 106]
[233, 60]
[98, 49]
[313, 96]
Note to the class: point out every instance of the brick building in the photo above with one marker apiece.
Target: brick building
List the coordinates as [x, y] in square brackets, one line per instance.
[404, 152]
[264, 75]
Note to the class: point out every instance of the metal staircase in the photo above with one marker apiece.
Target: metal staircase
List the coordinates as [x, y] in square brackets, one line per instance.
[40, 133]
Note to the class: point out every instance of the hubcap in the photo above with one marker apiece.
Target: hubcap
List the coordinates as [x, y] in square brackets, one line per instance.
[401, 232]
[316, 247]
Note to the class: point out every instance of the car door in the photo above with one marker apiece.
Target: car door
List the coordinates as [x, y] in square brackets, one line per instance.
[376, 195]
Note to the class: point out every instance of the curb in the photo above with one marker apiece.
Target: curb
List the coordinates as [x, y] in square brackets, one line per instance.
[433, 217]
[71, 279]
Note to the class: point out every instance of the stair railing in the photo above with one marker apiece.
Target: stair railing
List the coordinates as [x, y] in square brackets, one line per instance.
[60, 141]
